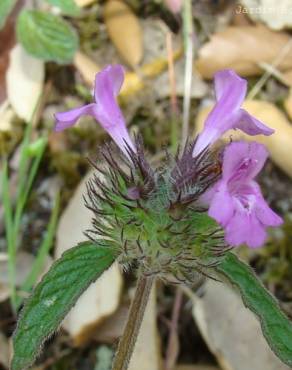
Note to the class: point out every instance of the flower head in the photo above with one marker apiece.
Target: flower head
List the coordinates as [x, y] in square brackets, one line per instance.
[236, 201]
[230, 91]
[105, 109]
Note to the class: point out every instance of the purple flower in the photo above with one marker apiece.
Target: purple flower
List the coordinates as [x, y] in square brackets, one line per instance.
[105, 109]
[230, 91]
[236, 201]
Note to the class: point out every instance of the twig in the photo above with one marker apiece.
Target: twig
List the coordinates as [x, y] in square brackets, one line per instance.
[261, 82]
[189, 51]
[171, 73]
[173, 98]
[131, 331]
[171, 357]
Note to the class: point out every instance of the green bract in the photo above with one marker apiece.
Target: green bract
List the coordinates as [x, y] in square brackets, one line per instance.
[46, 36]
[153, 216]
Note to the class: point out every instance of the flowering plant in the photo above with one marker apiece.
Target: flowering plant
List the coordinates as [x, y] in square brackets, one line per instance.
[170, 222]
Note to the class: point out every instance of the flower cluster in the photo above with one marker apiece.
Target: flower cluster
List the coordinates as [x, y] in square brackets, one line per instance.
[223, 180]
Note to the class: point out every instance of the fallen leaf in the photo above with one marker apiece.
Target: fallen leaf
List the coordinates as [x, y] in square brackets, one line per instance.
[242, 49]
[86, 66]
[6, 116]
[124, 31]
[102, 298]
[146, 353]
[112, 327]
[231, 331]
[287, 78]
[25, 79]
[288, 104]
[84, 3]
[274, 14]
[278, 144]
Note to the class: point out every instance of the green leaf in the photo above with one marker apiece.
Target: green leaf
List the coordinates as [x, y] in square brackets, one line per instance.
[6, 7]
[46, 36]
[276, 327]
[55, 295]
[67, 7]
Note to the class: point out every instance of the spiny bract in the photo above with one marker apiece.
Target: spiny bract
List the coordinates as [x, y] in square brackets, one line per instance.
[153, 215]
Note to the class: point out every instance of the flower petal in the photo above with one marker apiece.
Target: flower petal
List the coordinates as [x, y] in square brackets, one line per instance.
[230, 92]
[69, 118]
[245, 228]
[108, 83]
[228, 85]
[221, 205]
[242, 161]
[250, 125]
[112, 78]
[264, 213]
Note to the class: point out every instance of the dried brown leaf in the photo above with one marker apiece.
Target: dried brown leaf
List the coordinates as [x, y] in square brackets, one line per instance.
[288, 104]
[231, 331]
[242, 49]
[124, 30]
[86, 66]
[287, 77]
[111, 329]
[25, 78]
[84, 3]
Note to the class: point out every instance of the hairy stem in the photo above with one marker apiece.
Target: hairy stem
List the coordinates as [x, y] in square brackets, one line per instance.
[131, 331]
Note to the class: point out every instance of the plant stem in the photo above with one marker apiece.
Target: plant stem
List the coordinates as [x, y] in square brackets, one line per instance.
[172, 350]
[134, 321]
[173, 98]
[189, 53]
